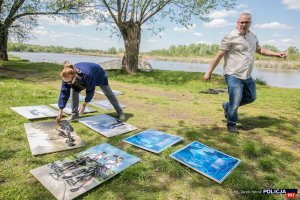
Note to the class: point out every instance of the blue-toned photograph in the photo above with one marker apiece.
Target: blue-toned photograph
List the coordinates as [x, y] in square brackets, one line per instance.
[152, 140]
[206, 160]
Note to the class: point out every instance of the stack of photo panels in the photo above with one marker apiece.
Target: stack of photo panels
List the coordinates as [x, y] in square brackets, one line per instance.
[74, 175]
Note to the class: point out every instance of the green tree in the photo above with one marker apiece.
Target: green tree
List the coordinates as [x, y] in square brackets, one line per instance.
[127, 16]
[19, 17]
[292, 50]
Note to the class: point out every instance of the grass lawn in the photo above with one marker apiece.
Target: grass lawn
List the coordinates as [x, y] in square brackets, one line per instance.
[268, 144]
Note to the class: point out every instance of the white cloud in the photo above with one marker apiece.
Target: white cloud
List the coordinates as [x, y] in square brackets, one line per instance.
[268, 41]
[152, 40]
[286, 40]
[64, 22]
[217, 23]
[276, 35]
[203, 42]
[217, 14]
[242, 6]
[185, 29]
[272, 25]
[198, 34]
[292, 4]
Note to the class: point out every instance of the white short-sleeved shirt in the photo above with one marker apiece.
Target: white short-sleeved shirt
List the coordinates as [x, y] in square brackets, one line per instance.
[240, 52]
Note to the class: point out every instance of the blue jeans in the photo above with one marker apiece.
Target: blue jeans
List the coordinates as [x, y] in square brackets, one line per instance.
[241, 92]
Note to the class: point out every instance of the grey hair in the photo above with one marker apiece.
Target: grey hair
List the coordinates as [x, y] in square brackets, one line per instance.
[247, 14]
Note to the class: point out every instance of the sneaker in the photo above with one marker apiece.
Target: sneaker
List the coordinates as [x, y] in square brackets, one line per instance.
[225, 110]
[232, 129]
[121, 116]
[72, 118]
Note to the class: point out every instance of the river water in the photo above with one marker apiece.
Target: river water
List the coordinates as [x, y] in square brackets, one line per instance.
[286, 78]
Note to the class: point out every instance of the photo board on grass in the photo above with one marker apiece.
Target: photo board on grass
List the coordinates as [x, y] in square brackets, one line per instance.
[68, 109]
[104, 104]
[35, 112]
[81, 97]
[106, 125]
[152, 140]
[116, 92]
[74, 175]
[206, 160]
[44, 138]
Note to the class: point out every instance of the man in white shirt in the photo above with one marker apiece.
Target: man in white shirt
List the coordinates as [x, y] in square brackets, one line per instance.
[238, 49]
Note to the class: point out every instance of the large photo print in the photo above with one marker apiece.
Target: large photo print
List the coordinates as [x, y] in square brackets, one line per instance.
[206, 160]
[75, 175]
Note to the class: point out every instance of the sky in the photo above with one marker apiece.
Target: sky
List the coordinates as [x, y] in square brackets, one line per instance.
[276, 22]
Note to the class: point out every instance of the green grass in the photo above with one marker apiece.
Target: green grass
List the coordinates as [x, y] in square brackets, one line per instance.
[268, 143]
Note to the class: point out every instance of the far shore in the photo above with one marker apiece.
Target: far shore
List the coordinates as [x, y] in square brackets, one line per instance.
[266, 63]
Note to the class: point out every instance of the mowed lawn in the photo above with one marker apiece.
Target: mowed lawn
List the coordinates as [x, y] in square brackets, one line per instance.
[268, 144]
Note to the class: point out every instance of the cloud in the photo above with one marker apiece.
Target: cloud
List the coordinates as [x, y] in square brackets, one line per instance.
[272, 25]
[151, 40]
[217, 23]
[61, 21]
[292, 4]
[242, 6]
[198, 34]
[217, 14]
[185, 29]
[203, 42]
[286, 40]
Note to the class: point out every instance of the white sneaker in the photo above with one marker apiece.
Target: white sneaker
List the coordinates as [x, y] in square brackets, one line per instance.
[122, 116]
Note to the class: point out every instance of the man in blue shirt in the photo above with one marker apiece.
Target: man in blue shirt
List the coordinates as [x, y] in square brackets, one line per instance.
[84, 76]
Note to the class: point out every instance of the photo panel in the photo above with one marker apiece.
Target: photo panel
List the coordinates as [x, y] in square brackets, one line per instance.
[116, 92]
[46, 137]
[152, 140]
[206, 160]
[105, 104]
[106, 125]
[35, 112]
[68, 109]
[74, 175]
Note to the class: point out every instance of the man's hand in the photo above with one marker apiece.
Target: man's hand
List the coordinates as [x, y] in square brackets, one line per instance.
[207, 76]
[82, 108]
[59, 116]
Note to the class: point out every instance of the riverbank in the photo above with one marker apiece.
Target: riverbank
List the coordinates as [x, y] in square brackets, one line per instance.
[169, 101]
[273, 63]
[266, 63]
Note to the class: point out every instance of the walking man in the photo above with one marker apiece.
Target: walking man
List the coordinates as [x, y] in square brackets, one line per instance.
[238, 49]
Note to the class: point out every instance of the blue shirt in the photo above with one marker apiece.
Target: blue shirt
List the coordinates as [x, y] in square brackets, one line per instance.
[93, 75]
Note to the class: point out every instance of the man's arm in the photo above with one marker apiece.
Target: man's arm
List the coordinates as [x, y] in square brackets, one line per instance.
[214, 64]
[267, 52]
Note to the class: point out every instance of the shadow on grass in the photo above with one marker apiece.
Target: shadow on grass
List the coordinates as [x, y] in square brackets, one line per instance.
[250, 123]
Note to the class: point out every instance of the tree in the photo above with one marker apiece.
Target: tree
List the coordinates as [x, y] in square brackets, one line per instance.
[18, 17]
[292, 50]
[127, 16]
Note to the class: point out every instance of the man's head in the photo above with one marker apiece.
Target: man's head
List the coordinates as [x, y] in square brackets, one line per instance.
[243, 23]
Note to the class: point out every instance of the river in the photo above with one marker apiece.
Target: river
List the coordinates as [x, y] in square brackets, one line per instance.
[286, 78]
